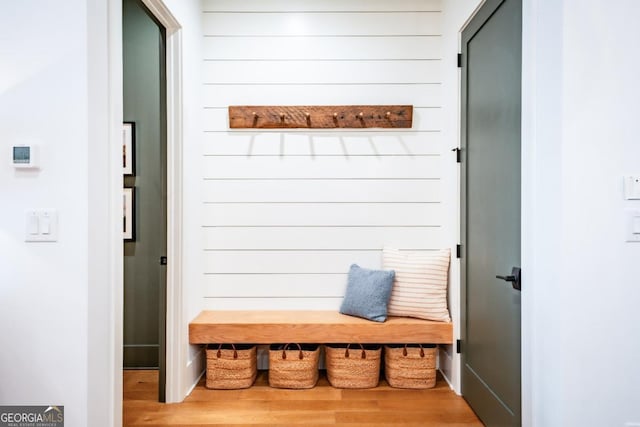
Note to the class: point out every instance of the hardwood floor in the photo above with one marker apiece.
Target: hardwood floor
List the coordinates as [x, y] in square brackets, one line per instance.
[266, 406]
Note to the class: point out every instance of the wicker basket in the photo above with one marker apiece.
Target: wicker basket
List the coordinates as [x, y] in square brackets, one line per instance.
[410, 365]
[293, 368]
[231, 366]
[358, 368]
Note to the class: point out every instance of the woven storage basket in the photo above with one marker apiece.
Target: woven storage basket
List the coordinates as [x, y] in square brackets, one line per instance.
[410, 365]
[293, 365]
[231, 366]
[357, 367]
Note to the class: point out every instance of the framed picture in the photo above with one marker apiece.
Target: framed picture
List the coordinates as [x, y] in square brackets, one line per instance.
[129, 148]
[128, 214]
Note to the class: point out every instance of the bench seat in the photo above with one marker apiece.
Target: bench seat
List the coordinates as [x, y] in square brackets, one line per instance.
[266, 327]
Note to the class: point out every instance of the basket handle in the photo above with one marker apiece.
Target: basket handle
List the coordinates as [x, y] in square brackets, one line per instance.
[404, 351]
[284, 351]
[346, 352]
[235, 352]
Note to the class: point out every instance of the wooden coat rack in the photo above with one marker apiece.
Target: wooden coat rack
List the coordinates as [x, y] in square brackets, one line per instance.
[320, 116]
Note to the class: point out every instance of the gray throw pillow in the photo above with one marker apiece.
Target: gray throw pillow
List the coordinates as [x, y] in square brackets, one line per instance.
[368, 293]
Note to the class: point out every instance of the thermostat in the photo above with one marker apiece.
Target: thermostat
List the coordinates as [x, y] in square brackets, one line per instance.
[25, 156]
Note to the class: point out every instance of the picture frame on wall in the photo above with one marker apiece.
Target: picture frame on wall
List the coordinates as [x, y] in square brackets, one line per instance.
[128, 214]
[128, 148]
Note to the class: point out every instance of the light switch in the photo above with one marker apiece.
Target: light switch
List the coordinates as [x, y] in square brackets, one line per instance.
[45, 223]
[633, 225]
[41, 225]
[33, 227]
[632, 187]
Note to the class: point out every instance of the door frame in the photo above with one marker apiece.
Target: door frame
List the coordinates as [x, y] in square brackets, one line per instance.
[109, 307]
[175, 356]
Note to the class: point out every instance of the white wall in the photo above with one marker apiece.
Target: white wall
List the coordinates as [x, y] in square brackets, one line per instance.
[580, 137]
[43, 286]
[284, 214]
[58, 327]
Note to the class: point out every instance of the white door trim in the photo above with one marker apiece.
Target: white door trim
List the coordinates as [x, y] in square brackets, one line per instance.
[175, 347]
[105, 249]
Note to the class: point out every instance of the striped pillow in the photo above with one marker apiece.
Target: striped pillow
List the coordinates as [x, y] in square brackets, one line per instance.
[420, 287]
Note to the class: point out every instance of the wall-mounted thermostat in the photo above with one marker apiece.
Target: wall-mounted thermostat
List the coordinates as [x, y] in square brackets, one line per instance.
[25, 156]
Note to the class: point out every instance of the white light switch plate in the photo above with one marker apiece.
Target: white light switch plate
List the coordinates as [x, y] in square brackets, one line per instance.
[41, 225]
[632, 226]
[632, 187]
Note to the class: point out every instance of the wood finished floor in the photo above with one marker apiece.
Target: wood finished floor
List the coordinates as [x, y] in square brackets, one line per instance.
[322, 405]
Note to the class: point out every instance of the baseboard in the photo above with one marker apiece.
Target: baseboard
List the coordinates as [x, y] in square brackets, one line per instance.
[194, 371]
[445, 366]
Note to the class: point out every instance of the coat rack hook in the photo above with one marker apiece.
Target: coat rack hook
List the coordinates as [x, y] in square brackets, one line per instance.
[361, 116]
[282, 117]
[387, 114]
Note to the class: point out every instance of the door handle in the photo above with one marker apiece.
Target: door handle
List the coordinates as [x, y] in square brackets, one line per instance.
[514, 278]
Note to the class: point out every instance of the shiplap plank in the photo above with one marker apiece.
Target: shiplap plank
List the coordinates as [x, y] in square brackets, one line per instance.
[316, 214]
[320, 6]
[322, 167]
[327, 191]
[324, 238]
[323, 24]
[323, 144]
[327, 72]
[424, 119]
[309, 303]
[275, 285]
[322, 48]
[299, 262]
[418, 95]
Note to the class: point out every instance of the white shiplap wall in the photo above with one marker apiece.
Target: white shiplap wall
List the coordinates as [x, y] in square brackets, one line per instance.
[284, 214]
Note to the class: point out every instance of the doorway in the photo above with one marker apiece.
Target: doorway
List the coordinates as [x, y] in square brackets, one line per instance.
[490, 229]
[145, 112]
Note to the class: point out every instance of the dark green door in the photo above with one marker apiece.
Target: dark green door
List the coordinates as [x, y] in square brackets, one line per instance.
[491, 101]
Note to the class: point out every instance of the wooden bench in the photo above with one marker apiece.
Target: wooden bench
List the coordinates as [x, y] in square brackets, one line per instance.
[266, 327]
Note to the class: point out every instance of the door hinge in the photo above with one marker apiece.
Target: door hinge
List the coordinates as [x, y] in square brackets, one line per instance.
[458, 347]
[163, 260]
[458, 154]
[458, 251]
[459, 60]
